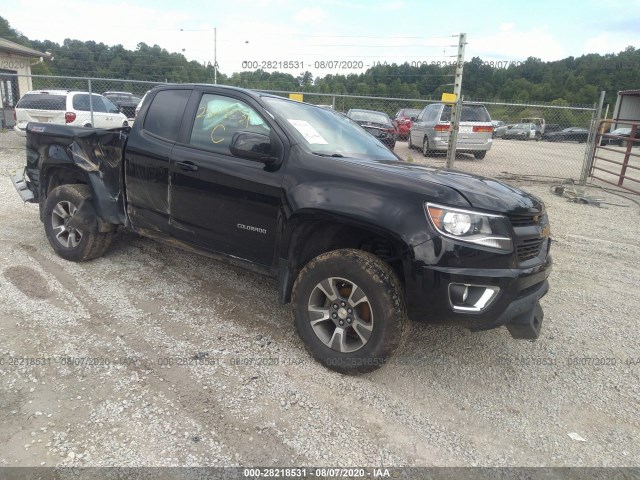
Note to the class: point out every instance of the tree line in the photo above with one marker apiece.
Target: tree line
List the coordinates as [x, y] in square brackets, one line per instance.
[571, 81]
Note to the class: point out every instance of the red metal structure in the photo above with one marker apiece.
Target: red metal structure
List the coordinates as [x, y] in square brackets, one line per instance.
[616, 158]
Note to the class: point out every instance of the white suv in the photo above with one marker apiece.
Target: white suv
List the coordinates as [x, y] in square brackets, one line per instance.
[65, 107]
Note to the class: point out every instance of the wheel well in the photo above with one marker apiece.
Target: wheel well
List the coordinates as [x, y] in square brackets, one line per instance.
[56, 176]
[313, 238]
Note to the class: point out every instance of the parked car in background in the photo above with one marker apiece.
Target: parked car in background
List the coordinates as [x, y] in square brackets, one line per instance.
[523, 131]
[125, 101]
[499, 128]
[571, 134]
[430, 130]
[621, 138]
[376, 123]
[538, 122]
[139, 106]
[550, 128]
[402, 121]
[67, 107]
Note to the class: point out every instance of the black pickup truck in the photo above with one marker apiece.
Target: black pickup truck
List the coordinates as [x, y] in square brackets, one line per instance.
[359, 240]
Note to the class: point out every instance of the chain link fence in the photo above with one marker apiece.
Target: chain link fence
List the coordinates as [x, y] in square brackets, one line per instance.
[526, 141]
[529, 141]
[101, 103]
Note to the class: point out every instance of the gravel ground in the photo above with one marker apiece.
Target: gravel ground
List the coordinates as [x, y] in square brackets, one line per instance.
[513, 157]
[101, 394]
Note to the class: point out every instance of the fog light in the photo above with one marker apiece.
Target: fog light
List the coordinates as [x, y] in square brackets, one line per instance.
[464, 297]
[458, 293]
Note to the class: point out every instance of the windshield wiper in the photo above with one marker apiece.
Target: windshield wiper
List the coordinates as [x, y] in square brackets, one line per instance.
[338, 155]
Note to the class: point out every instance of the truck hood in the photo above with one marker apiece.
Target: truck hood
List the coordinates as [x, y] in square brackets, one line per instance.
[481, 192]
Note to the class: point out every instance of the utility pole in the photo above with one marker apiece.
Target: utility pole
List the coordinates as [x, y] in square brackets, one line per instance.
[215, 56]
[456, 108]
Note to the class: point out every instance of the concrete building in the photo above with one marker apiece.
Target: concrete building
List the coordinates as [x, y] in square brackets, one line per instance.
[15, 68]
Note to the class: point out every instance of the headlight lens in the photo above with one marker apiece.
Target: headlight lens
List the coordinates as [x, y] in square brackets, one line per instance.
[484, 229]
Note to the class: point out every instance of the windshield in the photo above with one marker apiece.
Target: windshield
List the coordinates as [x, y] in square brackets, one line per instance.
[374, 117]
[328, 133]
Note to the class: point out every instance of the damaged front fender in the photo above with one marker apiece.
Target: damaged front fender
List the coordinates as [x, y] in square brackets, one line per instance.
[58, 154]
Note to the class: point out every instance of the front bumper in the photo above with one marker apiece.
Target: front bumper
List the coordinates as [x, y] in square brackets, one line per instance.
[516, 136]
[516, 305]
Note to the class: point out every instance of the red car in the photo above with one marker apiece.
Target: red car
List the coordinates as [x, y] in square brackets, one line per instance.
[402, 121]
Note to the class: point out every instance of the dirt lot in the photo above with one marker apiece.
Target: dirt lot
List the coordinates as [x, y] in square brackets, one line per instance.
[84, 348]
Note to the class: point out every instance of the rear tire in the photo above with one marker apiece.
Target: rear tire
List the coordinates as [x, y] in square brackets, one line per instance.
[425, 147]
[349, 310]
[73, 244]
[409, 144]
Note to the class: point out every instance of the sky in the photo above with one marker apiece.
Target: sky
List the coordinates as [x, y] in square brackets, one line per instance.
[348, 36]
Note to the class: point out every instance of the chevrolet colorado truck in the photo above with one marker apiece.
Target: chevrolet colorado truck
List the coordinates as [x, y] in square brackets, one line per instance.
[358, 240]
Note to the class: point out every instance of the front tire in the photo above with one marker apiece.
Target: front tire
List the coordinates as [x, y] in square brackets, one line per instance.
[409, 144]
[74, 243]
[349, 310]
[479, 155]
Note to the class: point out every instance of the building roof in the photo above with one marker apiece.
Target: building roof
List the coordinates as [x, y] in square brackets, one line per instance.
[12, 47]
[634, 93]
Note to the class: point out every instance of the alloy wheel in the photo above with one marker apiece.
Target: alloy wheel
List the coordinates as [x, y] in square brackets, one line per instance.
[61, 215]
[340, 315]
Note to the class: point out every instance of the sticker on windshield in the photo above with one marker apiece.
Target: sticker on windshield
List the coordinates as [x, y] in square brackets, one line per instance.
[309, 133]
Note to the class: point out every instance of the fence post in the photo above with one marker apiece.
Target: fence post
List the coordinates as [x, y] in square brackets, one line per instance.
[456, 108]
[591, 144]
[90, 102]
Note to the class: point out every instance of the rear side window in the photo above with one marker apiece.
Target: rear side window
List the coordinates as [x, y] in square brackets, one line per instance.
[43, 101]
[165, 113]
[431, 113]
[81, 103]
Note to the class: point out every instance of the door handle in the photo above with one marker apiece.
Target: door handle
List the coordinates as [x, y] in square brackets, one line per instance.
[188, 166]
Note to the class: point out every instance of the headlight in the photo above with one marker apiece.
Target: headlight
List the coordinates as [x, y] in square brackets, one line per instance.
[484, 229]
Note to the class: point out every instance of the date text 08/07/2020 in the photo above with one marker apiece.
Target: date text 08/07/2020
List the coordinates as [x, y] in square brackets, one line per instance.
[359, 64]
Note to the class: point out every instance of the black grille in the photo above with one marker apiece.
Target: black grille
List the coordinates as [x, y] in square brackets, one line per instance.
[529, 249]
[525, 220]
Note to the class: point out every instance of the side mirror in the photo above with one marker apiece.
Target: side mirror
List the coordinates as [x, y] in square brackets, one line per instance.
[413, 119]
[252, 146]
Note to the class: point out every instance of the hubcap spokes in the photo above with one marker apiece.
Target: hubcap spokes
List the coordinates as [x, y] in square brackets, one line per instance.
[62, 213]
[340, 315]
